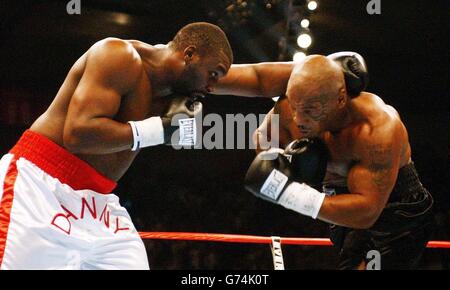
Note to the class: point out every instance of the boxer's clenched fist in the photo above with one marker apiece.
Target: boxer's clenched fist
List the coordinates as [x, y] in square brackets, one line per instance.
[274, 178]
[176, 127]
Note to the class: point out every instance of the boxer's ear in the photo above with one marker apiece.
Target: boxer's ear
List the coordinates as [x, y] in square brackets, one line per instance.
[342, 98]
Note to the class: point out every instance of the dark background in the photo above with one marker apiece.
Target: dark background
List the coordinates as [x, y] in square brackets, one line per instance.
[406, 50]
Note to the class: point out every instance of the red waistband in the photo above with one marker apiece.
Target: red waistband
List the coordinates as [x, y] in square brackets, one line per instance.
[61, 164]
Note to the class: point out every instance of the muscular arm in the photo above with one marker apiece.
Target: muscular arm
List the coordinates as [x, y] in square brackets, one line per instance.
[267, 79]
[263, 135]
[370, 182]
[111, 71]
[265, 132]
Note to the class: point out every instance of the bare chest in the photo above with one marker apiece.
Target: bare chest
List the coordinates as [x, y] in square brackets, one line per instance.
[136, 106]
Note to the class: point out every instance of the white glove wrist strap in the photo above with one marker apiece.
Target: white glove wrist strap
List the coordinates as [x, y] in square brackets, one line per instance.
[148, 132]
[302, 198]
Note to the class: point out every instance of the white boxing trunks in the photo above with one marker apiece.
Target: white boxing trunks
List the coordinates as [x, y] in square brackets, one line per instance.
[57, 212]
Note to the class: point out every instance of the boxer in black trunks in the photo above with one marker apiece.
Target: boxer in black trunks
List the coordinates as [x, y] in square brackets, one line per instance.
[374, 198]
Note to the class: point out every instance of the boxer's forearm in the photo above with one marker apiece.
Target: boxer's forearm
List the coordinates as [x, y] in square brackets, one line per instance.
[98, 136]
[348, 210]
[267, 79]
[258, 135]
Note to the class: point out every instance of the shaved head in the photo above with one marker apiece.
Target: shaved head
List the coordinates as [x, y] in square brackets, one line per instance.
[316, 94]
[316, 75]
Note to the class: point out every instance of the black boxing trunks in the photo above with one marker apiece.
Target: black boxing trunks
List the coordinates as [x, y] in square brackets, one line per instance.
[401, 232]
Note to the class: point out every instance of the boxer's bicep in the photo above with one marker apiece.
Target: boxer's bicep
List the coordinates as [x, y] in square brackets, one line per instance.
[110, 73]
[374, 176]
[93, 99]
[262, 79]
[273, 77]
[240, 80]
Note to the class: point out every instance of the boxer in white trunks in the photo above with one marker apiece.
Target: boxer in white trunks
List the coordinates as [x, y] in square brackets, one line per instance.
[56, 206]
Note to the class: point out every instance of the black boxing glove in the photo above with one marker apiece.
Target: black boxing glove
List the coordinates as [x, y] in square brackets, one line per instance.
[271, 177]
[354, 69]
[309, 158]
[176, 127]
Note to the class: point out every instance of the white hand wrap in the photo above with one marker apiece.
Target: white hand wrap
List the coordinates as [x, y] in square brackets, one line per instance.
[148, 132]
[302, 198]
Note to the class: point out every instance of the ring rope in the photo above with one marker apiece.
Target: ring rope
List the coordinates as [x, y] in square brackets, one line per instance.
[233, 238]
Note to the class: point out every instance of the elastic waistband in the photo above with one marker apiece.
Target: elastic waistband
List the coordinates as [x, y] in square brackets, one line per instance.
[60, 164]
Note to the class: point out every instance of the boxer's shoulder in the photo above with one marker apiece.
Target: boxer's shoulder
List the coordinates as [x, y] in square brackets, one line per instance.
[374, 112]
[112, 43]
[380, 136]
[114, 62]
[372, 105]
[114, 51]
